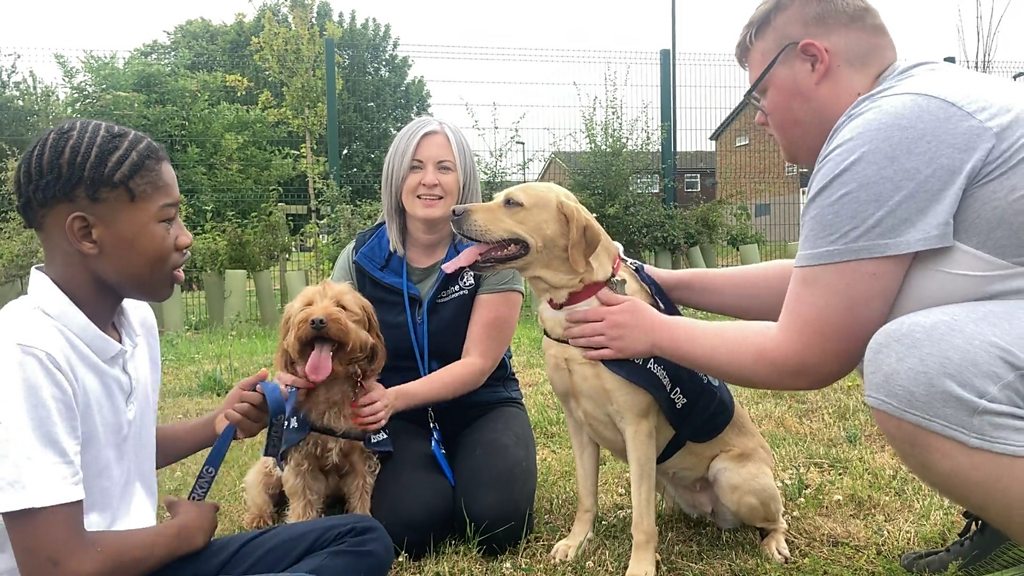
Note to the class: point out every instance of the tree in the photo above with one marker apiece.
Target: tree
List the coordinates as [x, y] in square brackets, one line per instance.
[227, 155]
[504, 161]
[27, 106]
[292, 54]
[612, 173]
[376, 98]
[200, 46]
[241, 110]
[979, 39]
[19, 246]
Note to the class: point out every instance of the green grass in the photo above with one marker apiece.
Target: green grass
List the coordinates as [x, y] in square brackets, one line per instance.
[851, 505]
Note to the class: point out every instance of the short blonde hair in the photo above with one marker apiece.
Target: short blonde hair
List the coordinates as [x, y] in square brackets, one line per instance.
[814, 15]
[398, 162]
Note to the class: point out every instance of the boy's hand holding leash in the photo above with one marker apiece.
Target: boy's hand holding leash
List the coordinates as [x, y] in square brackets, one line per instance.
[245, 407]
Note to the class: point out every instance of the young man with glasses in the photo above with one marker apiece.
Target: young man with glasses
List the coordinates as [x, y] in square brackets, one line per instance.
[911, 263]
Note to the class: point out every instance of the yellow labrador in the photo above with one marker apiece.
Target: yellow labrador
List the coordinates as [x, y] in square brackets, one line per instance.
[542, 230]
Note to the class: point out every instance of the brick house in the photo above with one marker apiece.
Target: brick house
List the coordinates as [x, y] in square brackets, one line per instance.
[695, 173]
[750, 169]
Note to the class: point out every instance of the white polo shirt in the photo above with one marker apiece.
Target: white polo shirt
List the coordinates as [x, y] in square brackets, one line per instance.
[77, 411]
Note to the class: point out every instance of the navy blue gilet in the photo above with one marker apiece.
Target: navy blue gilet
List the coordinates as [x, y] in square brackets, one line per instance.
[699, 407]
[378, 277]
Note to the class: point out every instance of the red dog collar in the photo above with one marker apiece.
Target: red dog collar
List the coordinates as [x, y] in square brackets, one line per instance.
[588, 290]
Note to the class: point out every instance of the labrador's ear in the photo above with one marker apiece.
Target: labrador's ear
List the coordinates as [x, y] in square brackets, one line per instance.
[583, 235]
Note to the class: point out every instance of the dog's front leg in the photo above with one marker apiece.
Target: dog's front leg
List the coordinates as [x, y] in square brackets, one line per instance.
[585, 453]
[640, 453]
[358, 487]
[306, 489]
[262, 486]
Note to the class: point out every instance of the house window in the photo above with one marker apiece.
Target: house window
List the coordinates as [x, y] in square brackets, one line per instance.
[762, 210]
[791, 169]
[691, 183]
[742, 140]
[646, 183]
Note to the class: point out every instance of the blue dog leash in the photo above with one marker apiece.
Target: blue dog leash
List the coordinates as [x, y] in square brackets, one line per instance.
[277, 412]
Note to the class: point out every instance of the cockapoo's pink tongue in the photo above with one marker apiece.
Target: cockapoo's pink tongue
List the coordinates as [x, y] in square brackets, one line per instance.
[466, 257]
[318, 367]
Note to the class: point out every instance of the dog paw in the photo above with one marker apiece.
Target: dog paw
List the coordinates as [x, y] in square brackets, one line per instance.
[774, 545]
[296, 514]
[640, 569]
[566, 548]
[253, 521]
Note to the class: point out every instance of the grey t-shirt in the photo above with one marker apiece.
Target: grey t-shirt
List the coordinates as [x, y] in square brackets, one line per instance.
[931, 161]
[934, 153]
[424, 278]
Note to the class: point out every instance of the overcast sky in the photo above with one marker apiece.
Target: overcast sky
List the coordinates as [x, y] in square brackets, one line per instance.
[922, 28]
[521, 87]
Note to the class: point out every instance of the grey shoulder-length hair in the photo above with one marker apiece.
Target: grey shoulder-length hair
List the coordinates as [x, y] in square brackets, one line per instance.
[398, 161]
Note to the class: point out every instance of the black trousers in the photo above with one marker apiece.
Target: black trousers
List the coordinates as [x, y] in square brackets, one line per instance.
[494, 459]
[348, 545]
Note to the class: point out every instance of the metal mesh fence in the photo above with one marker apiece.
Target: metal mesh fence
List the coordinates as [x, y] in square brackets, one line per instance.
[524, 110]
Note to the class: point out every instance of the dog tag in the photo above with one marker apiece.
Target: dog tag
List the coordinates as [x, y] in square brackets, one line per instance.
[617, 285]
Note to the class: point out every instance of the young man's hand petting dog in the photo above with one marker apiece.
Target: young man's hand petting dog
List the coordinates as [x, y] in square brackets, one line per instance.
[599, 328]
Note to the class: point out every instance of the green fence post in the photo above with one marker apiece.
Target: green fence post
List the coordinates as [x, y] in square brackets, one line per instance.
[668, 129]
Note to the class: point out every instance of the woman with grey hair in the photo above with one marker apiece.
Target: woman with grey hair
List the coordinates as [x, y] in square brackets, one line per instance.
[464, 461]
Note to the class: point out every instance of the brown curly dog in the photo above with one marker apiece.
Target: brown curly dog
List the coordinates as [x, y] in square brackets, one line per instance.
[329, 334]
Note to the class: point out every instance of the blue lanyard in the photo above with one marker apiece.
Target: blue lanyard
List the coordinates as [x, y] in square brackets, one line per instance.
[422, 355]
[423, 362]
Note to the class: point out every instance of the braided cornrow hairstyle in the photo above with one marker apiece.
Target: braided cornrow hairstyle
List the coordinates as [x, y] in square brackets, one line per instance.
[81, 157]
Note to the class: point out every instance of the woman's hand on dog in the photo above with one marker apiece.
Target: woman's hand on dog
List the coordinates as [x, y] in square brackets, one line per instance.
[373, 408]
[622, 327]
[245, 407]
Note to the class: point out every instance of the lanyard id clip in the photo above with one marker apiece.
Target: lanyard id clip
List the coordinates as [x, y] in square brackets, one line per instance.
[437, 447]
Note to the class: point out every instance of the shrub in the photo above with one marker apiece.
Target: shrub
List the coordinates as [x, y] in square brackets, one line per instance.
[740, 231]
[19, 250]
[708, 221]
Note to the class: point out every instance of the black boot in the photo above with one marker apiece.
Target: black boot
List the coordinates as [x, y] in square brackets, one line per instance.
[980, 550]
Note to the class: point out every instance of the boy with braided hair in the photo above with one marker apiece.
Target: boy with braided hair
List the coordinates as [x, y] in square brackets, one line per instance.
[79, 440]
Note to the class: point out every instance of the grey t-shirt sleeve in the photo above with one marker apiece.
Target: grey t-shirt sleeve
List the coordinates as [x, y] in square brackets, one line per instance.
[890, 179]
[344, 266]
[501, 281]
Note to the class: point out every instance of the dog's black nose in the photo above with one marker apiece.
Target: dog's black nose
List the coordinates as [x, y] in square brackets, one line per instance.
[318, 323]
[458, 211]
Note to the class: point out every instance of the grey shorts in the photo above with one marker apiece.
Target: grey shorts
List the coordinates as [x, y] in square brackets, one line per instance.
[957, 370]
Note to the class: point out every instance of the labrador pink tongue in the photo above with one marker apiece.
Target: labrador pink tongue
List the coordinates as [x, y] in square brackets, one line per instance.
[318, 367]
[465, 258]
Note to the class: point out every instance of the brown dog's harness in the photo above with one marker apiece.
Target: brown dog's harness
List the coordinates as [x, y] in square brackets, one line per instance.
[297, 427]
[286, 427]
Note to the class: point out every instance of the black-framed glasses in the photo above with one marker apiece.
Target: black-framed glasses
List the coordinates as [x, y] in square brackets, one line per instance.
[751, 96]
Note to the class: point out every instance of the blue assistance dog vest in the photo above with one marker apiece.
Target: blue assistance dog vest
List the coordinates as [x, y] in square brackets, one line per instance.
[296, 426]
[699, 407]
